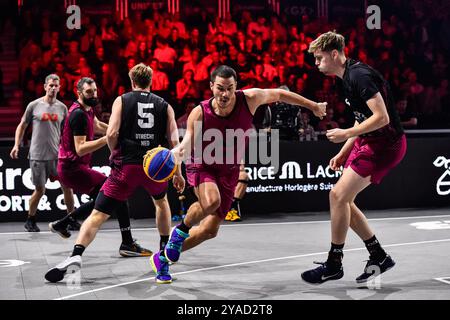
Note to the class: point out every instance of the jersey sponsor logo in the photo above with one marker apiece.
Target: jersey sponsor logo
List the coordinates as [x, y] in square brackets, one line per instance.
[53, 117]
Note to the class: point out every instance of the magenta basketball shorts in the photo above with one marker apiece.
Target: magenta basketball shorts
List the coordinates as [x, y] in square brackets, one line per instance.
[80, 177]
[124, 180]
[376, 156]
[226, 182]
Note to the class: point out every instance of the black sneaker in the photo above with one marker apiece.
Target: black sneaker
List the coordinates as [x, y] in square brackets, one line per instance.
[134, 250]
[73, 225]
[31, 226]
[374, 268]
[55, 227]
[321, 274]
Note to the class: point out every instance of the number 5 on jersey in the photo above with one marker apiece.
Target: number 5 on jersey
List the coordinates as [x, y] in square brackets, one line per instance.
[147, 120]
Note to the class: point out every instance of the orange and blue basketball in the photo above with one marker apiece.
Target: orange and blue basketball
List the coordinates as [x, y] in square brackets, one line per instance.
[159, 164]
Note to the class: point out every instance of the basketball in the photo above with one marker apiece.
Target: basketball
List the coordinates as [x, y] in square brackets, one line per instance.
[159, 164]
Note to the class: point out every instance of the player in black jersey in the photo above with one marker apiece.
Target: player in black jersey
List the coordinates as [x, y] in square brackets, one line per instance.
[140, 120]
[374, 145]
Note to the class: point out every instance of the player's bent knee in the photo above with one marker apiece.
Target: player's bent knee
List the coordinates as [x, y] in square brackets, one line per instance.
[209, 233]
[211, 206]
[337, 196]
[97, 218]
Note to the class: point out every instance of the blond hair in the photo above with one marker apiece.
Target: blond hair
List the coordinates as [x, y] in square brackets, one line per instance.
[327, 42]
[141, 75]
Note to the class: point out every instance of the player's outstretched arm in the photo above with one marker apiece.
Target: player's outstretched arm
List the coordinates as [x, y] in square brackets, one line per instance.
[256, 97]
[181, 151]
[172, 129]
[112, 132]
[174, 140]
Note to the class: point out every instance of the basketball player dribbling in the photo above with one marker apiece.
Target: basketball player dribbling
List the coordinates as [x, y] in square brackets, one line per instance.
[214, 184]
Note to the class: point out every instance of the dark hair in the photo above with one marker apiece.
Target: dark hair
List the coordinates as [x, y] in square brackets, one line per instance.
[82, 81]
[223, 71]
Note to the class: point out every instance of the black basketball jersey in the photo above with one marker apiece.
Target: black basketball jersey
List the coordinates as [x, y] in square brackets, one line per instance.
[359, 84]
[143, 126]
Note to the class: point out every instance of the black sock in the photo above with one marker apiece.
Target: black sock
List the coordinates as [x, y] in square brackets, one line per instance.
[32, 218]
[162, 242]
[78, 250]
[235, 203]
[124, 223]
[82, 212]
[375, 250]
[183, 227]
[335, 255]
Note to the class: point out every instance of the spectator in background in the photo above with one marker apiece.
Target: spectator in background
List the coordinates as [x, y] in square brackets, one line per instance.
[194, 40]
[327, 93]
[186, 55]
[269, 70]
[72, 59]
[97, 61]
[240, 41]
[165, 54]
[199, 68]
[328, 122]
[160, 80]
[222, 43]
[229, 27]
[306, 131]
[408, 119]
[258, 28]
[29, 92]
[90, 41]
[343, 116]
[244, 69]
[143, 53]
[182, 121]
[187, 88]
[260, 80]
[175, 41]
[179, 25]
[415, 90]
[130, 49]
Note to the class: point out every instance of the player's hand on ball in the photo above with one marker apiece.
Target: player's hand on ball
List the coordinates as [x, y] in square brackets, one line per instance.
[178, 153]
[337, 135]
[178, 183]
[337, 161]
[321, 110]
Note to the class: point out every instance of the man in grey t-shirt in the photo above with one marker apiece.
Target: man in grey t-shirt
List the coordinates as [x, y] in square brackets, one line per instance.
[46, 115]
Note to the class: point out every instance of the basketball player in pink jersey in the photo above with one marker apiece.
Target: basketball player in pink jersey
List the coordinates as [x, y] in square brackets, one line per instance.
[214, 184]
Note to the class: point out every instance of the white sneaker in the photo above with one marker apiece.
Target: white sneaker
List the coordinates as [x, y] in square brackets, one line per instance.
[71, 265]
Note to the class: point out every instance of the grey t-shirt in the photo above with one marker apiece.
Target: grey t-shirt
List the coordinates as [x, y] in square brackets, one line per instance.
[46, 120]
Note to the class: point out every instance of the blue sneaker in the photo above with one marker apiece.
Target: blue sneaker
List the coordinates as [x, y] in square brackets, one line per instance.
[372, 266]
[321, 274]
[177, 217]
[160, 266]
[172, 250]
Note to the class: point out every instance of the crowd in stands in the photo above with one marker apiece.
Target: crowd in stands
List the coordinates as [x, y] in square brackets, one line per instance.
[411, 50]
